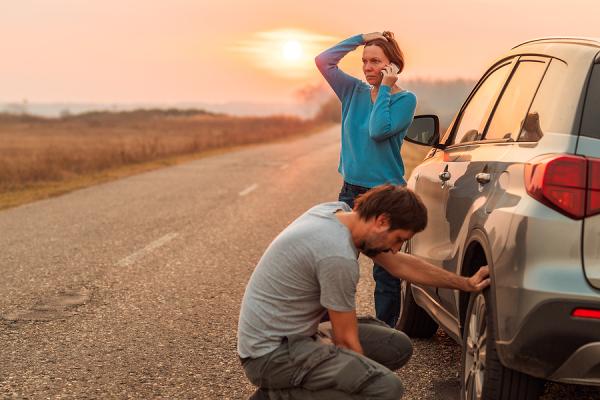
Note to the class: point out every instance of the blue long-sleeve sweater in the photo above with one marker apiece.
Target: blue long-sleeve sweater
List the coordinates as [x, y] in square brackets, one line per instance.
[372, 134]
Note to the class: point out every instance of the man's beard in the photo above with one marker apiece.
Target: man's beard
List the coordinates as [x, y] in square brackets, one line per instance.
[370, 251]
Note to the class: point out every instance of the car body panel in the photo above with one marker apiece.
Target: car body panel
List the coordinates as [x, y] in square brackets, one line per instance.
[591, 249]
[425, 181]
[466, 204]
[590, 147]
[536, 254]
[448, 321]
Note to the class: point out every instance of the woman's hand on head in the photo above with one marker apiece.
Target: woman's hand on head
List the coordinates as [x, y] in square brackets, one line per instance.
[390, 75]
[367, 37]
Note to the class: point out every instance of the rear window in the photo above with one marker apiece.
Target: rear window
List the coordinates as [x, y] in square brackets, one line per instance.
[510, 114]
[590, 122]
[547, 111]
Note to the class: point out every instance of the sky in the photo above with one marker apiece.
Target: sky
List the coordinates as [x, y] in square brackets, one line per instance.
[169, 51]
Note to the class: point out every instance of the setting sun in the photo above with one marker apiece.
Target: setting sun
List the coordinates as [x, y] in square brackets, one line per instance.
[292, 49]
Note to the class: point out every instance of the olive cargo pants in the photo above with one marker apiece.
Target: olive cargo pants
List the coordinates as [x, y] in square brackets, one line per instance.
[311, 368]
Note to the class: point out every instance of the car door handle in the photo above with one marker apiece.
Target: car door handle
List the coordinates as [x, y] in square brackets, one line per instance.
[483, 177]
[445, 176]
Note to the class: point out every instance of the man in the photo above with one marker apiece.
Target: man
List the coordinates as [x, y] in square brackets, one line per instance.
[311, 267]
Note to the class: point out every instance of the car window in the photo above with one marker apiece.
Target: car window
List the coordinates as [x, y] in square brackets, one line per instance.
[590, 124]
[474, 116]
[511, 113]
[547, 111]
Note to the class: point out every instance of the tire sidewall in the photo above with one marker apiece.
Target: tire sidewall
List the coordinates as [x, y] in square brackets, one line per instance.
[489, 342]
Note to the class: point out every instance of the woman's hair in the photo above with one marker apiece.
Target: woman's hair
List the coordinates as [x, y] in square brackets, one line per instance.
[390, 49]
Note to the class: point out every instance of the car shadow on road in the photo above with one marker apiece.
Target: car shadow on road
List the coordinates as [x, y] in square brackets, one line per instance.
[446, 389]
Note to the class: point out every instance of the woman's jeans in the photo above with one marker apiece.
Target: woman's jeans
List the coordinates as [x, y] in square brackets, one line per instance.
[387, 287]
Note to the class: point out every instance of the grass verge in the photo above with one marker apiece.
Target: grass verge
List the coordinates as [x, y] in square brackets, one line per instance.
[43, 190]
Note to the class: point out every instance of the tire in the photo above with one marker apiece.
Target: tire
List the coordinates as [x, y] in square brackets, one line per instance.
[483, 377]
[413, 320]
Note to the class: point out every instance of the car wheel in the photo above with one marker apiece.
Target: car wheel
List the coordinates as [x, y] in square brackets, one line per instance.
[413, 320]
[483, 377]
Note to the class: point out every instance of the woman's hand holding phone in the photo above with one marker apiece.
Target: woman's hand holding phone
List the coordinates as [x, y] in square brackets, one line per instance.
[390, 75]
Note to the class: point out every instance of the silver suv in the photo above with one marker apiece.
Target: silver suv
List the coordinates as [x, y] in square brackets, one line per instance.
[514, 183]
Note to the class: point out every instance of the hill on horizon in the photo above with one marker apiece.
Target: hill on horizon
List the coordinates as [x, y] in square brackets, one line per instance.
[440, 97]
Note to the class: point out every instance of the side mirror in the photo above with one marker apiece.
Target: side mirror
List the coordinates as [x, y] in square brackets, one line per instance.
[424, 131]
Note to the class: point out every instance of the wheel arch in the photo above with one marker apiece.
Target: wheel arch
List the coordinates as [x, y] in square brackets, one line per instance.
[476, 254]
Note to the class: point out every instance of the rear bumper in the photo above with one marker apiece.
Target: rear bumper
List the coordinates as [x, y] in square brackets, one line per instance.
[582, 367]
[551, 344]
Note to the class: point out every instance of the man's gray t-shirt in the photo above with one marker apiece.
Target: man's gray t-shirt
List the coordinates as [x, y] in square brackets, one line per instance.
[310, 266]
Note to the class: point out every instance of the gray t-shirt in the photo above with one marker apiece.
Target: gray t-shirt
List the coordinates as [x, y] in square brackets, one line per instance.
[310, 266]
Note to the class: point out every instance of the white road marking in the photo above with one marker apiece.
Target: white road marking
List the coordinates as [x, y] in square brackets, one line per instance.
[150, 247]
[249, 189]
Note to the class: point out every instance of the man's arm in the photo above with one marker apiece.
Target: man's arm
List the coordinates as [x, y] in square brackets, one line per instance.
[345, 329]
[415, 270]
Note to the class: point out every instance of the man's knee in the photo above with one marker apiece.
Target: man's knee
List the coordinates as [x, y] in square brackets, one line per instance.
[370, 320]
[385, 387]
[403, 348]
[387, 346]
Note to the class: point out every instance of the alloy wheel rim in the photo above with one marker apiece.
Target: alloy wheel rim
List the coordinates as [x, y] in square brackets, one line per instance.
[475, 358]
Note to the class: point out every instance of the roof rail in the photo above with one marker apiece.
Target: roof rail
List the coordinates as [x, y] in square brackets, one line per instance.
[582, 40]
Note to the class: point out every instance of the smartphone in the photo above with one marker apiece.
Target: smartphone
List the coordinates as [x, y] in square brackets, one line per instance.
[398, 68]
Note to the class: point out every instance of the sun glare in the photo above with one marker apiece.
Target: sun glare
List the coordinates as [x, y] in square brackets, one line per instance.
[292, 49]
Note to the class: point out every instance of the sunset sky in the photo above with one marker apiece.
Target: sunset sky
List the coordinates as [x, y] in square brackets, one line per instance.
[260, 51]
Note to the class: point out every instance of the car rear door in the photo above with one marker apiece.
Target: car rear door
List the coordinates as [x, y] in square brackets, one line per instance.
[475, 161]
[436, 177]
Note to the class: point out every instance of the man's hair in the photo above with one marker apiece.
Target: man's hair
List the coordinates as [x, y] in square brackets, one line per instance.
[402, 206]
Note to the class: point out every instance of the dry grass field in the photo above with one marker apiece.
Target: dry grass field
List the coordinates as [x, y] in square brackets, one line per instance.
[40, 157]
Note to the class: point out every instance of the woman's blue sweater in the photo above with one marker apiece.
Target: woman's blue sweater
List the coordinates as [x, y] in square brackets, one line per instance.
[372, 134]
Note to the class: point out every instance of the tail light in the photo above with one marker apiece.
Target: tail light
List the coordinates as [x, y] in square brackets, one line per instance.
[593, 199]
[586, 313]
[568, 184]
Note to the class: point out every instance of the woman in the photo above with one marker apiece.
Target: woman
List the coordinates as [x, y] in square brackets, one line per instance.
[375, 118]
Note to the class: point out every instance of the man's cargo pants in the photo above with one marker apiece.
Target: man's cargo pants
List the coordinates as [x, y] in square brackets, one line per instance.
[311, 368]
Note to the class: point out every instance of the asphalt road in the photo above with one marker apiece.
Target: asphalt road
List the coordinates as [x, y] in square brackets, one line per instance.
[131, 289]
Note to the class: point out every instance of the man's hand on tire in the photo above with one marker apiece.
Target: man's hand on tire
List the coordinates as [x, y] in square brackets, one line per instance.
[478, 281]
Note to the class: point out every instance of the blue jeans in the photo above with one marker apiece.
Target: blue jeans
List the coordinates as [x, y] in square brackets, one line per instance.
[387, 287]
